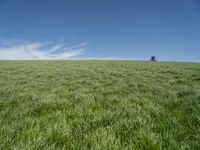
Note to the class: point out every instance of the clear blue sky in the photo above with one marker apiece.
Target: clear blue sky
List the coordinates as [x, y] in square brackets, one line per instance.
[119, 29]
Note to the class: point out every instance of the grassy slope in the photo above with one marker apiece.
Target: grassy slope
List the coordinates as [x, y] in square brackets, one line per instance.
[99, 105]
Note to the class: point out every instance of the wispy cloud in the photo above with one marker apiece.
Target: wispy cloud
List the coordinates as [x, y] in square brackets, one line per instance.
[101, 58]
[26, 50]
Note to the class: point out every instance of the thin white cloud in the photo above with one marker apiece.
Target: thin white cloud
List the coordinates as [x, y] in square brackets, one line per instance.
[25, 50]
[101, 58]
[56, 47]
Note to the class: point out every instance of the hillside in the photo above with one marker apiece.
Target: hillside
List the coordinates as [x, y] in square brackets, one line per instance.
[99, 105]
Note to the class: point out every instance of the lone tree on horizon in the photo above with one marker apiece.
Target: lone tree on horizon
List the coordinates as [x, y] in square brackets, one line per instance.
[153, 58]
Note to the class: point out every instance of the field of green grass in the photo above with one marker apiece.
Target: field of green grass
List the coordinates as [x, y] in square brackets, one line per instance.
[46, 105]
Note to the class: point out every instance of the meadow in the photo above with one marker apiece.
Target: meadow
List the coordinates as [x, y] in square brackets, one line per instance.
[99, 105]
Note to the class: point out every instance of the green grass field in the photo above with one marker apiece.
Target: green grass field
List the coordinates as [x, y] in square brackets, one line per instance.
[99, 105]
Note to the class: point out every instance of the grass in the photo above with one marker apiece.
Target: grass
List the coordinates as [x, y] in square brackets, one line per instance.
[99, 105]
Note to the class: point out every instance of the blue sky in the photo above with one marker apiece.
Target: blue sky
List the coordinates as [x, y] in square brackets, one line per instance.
[100, 29]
